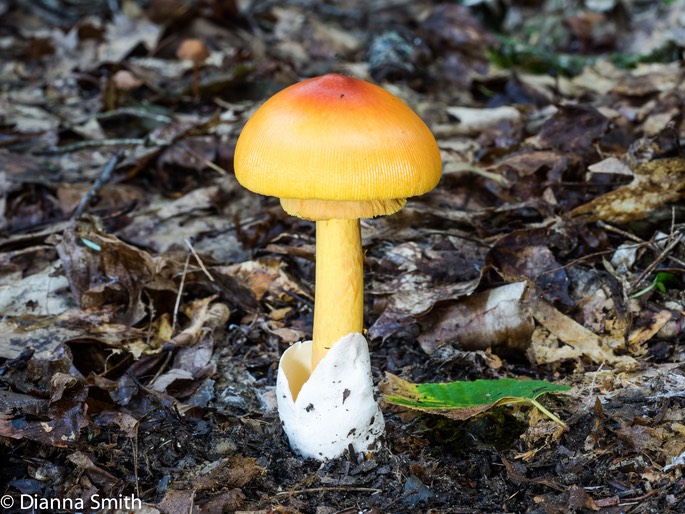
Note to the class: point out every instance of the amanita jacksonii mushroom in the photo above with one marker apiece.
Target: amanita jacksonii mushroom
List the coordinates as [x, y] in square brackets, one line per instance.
[336, 149]
[195, 51]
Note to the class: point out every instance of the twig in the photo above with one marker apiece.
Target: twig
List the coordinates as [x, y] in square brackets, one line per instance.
[199, 261]
[134, 111]
[624, 233]
[204, 161]
[330, 489]
[135, 460]
[592, 385]
[95, 143]
[659, 259]
[104, 177]
[180, 293]
[107, 370]
[191, 507]
[161, 369]
[548, 413]
[641, 242]
[151, 315]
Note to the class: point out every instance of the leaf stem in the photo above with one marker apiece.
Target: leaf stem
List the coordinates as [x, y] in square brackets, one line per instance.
[547, 413]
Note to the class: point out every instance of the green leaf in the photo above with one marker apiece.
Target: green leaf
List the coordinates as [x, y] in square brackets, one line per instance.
[664, 279]
[463, 400]
[661, 281]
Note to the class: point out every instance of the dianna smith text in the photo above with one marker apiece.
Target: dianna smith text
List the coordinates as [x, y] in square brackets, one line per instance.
[97, 502]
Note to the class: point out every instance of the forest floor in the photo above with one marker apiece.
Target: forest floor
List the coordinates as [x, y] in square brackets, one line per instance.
[146, 297]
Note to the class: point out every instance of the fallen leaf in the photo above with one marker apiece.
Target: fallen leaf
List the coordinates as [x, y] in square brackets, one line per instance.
[97, 475]
[44, 335]
[205, 316]
[123, 421]
[40, 293]
[656, 183]
[265, 275]
[492, 319]
[124, 33]
[234, 471]
[226, 501]
[472, 121]
[61, 423]
[462, 400]
[103, 270]
[574, 128]
[610, 166]
[525, 255]
[413, 297]
[640, 335]
[288, 335]
[581, 342]
[177, 501]
[647, 79]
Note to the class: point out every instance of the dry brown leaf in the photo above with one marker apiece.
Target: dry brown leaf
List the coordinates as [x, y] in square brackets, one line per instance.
[649, 78]
[226, 501]
[234, 471]
[125, 422]
[413, 297]
[580, 341]
[640, 335]
[610, 166]
[525, 255]
[102, 270]
[656, 183]
[40, 293]
[288, 335]
[177, 501]
[279, 314]
[45, 334]
[472, 121]
[167, 378]
[124, 33]
[596, 80]
[528, 162]
[493, 319]
[573, 128]
[204, 316]
[60, 424]
[98, 475]
[265, 275]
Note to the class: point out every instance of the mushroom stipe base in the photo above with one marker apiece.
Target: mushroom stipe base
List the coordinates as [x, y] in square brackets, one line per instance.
[335, 405]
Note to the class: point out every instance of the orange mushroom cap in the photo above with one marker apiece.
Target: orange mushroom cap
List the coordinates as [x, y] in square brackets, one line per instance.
[341, 141]
[192, 50]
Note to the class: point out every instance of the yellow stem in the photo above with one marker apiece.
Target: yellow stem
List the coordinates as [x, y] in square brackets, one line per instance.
[339, 295]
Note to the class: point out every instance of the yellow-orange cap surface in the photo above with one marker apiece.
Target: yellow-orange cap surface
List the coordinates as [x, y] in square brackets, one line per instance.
[337, 138]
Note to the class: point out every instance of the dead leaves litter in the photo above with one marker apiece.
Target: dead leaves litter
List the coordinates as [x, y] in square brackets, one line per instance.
[655, 184]
[103, 270]
[190, 288]
[580, 341]
[491, 319]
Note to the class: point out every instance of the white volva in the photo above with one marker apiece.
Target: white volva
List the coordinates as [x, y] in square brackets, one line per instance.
[335, 406]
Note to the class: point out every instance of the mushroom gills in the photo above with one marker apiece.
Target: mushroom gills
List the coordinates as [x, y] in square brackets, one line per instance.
[316, 210]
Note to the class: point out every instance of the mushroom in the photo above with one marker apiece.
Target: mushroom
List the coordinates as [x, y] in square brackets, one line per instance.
[195, 51]
[124, 82]
[335, 149]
